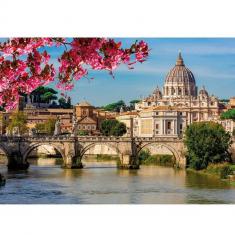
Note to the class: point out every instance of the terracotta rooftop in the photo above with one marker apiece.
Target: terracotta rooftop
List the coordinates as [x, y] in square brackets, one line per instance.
[128, 113]
[60, 110]
[159, 108]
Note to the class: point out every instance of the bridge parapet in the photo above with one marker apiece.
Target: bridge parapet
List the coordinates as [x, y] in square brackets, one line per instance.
[88, 138]
[158, 139]
[102, 138]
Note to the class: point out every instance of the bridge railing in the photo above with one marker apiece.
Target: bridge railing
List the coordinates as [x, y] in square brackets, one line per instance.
[87, 138]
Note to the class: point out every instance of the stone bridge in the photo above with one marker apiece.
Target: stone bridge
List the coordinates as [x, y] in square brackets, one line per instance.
[72, 149]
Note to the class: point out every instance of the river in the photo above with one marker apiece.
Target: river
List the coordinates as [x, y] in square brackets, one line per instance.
[46, 182]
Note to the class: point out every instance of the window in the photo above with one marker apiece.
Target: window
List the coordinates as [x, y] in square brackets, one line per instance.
[181, 126]
[168, 125]
[156, 113]
[157, 126]
[181, 113]
[180, 91]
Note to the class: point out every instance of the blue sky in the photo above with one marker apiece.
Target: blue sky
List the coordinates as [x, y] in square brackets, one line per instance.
[212, 61]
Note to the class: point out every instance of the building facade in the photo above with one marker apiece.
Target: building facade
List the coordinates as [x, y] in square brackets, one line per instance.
[180, 91]
[89, 119]
[168, 111]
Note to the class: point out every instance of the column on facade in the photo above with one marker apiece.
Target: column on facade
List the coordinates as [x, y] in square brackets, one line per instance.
[175, 127]
[163, 126]
[183, 92]
[177, 91]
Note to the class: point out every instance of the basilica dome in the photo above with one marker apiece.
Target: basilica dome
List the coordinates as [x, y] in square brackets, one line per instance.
[180, 81]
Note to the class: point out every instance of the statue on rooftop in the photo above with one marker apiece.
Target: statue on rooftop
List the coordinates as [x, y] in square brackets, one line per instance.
[57, 130]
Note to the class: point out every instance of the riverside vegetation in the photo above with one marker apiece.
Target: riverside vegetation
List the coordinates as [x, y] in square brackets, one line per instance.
[157, 159]
[207, 149]
[145, 158]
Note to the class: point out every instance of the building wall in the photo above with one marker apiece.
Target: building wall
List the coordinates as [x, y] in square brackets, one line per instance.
[157, 123]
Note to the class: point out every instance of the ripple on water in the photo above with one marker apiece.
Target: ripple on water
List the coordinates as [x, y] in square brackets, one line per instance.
[105, 184]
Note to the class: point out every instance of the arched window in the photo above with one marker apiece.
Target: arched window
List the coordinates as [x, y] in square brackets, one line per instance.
[179, 91]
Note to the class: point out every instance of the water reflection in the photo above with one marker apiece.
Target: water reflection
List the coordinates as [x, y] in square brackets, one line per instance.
[194, 180]
[101, 182]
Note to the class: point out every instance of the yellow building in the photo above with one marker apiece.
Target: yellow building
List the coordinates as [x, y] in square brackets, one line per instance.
[128, 118]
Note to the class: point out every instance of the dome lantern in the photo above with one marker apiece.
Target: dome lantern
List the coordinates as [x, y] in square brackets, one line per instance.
[180, 61]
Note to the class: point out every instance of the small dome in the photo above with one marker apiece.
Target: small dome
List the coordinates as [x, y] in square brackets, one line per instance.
[84, 103]
[203, 92]
[157, 93]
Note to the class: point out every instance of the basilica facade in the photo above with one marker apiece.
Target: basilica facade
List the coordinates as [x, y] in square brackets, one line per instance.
[167, 111]
[180, 92]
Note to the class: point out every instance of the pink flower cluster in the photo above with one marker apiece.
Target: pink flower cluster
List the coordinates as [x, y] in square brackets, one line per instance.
[23, 67]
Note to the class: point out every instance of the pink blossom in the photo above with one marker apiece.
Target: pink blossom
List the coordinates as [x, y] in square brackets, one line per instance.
[23, 67]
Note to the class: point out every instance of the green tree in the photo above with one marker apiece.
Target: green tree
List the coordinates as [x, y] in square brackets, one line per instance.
[132, 104]
[83, 132]
[224, 100]
[48, 97]
[62, 102]
[230, 114]
[113, 127]
[19, 120]
[43, 95]
[47, 127]
[65, 104]
[115, 107]
[206, 142]
[119, 129]
[69, 103]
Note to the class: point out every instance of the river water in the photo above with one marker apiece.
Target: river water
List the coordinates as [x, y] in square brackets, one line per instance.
[102, 183]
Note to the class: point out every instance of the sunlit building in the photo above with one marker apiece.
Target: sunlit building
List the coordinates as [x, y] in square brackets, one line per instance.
[167, 111]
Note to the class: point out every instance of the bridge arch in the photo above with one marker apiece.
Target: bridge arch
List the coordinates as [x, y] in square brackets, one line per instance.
[36, 145]
[2, 147]
[84, 149]
[173, 150]
[6, 153]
